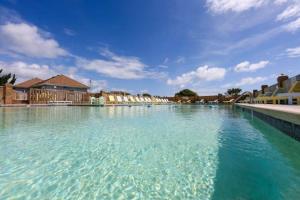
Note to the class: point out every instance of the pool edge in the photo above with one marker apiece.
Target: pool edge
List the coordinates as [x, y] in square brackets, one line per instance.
[286, 122]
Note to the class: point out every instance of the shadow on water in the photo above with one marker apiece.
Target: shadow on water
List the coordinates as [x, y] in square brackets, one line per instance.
[288, 147]
[256, 161]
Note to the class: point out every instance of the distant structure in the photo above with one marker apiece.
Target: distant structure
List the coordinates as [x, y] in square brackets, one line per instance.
[59, 89]
[285, 91]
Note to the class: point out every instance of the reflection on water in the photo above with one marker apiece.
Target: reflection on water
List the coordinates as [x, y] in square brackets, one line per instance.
[288, 148]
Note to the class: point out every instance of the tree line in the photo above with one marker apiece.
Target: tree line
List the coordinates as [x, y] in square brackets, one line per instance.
[190, 93]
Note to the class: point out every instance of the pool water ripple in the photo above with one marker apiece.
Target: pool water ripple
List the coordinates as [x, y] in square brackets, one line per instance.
[162, 152]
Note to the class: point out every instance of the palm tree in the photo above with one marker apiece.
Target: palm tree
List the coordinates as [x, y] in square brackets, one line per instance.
[7, 78]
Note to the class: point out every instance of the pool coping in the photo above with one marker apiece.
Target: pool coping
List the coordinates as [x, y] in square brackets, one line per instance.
[286, 118]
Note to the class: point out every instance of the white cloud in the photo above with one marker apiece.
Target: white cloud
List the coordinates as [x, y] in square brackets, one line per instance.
[180, 60]
[163, 66]
[290, 11]
[293, 52]
[69, 32]
[8, 15]
[121, 67]
[249, 42]
[204, 73]
[246, 66]
[250, 81]
[222, 6]
[280, 2]
[28, 40]
[293, 26]
[166, 60]
[246, 82]
[26, 71]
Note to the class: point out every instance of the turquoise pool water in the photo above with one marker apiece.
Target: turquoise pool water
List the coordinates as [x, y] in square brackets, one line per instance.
[161, 152]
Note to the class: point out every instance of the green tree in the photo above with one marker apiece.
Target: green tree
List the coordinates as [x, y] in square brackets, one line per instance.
[146, 95]
[7, 78]
[186, 93]
[234, 91]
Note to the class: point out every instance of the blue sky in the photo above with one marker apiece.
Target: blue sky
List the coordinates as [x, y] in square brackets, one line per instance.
[158, 46]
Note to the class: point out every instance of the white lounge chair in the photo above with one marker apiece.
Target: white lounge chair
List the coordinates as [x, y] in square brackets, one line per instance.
[132, 99]
[111, 99]
[142, 99]
[119, 99]
[148, 99]
[125, 99]
[137, 99]
[92, 100]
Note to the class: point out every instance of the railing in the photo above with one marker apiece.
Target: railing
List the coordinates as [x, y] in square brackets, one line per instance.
[244, 94]
[44, 96]
[22, 96]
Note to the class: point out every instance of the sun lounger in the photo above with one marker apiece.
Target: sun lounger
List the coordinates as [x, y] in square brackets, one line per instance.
[214, 102]
[142, 99]
[119, 99]
[229, 102]
[137, 99]
[125, 99]
[111, 99]
[132, 99]
[60, 102]
[148, 99]
[101, 101]
[92, 100]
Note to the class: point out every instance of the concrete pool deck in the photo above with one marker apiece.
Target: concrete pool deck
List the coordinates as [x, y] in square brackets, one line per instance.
[283, 117]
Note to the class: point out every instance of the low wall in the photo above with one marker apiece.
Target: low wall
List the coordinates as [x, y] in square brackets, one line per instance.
[286, 119]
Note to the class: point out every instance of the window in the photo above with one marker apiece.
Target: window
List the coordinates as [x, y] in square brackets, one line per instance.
[294, 101]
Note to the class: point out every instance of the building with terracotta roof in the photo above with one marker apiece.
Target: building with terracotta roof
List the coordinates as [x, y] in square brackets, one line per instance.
[61, 82]
[26, 85]
[56, 89]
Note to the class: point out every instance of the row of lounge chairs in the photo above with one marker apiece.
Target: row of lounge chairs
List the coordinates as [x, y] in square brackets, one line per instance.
[111, 99]
[135, 99]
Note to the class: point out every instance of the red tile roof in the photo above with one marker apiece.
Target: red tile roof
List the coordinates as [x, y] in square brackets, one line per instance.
[28, 83]
[62, 80]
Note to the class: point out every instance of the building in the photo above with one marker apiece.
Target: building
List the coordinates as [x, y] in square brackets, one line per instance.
[22, 89]
[57, 89]
[285, 91]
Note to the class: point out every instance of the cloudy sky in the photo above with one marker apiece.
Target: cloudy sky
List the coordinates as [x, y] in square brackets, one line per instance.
[157, 46]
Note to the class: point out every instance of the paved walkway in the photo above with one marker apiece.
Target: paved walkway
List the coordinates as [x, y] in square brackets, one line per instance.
[289, 113]
[293, 109]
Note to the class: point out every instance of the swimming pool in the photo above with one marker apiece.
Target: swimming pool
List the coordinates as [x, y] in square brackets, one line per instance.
[158, 152]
